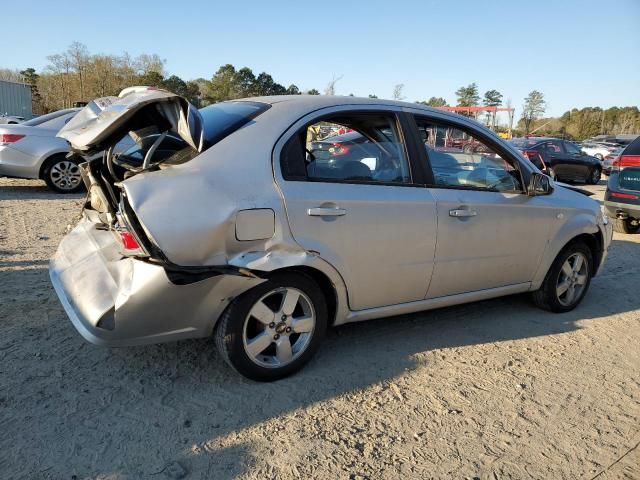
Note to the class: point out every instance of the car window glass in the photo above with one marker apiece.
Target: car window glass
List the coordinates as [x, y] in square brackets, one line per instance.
[460, 160]
[551, 147]
[571, 148]
[56, 123]
[172, 150]
[359, 148]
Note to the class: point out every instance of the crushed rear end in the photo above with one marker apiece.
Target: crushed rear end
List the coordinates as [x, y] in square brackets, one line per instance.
[115, 283]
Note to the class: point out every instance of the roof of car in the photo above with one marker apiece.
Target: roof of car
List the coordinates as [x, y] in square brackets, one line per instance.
[312, 102]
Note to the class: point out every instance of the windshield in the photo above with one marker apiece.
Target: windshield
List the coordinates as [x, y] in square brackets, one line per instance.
[34, 122]
[222, 119]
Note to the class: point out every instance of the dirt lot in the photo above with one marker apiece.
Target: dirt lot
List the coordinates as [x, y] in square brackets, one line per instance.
[492, 390]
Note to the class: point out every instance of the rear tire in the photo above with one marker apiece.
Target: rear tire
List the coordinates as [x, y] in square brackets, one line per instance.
[594, 176]
[552, 294]
[62, 174]
[625, 226]
[264, 336]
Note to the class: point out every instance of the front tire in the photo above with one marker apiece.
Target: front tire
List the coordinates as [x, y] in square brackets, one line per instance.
[274, 329]
[62, 175]
[567, 280]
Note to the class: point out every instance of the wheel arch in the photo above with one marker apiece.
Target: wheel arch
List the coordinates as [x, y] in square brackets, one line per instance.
[47, 160]
[265, 264]
[581, 228]
[324, 283]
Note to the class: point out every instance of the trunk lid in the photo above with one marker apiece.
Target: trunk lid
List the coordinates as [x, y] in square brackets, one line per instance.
[105, 120]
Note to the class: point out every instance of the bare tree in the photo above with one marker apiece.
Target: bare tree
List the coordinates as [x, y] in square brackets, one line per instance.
[78, 56]
[397, 92]
[330, 89]
[60, 67]
[150, 63]
[11, 75]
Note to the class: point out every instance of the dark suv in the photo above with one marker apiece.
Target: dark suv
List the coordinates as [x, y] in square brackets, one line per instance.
[560, 159]
[622, 199]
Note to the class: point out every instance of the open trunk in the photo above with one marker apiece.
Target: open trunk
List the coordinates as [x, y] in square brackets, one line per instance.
[143, 129]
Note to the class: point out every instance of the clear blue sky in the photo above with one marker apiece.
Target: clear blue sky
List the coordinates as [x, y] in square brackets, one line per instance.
[577, 52]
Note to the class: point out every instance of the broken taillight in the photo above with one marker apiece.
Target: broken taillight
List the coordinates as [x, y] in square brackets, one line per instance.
[129, 242]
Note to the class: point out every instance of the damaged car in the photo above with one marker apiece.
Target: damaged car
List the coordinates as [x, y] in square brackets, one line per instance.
[229, 222]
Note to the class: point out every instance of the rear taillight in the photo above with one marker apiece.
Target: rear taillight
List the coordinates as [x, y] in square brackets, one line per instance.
[627, 161]
[338, 149]
[7, 138]
[624, 195]
[129, 242]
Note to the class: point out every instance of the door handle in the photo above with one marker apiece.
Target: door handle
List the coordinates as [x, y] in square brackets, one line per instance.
[326, 212]
[462, 213]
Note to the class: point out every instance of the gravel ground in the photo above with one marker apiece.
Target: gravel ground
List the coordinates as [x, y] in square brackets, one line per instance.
[496, 389]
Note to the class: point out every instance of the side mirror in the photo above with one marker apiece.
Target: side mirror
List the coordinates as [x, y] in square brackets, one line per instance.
[539, 184]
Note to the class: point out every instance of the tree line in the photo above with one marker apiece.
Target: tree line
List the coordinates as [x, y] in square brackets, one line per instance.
[76, 75]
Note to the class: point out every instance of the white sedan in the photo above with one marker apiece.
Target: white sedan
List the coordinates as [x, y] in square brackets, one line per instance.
[598, 150]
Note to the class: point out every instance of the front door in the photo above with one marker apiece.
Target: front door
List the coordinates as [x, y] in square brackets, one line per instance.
[490, 233]
[356, 204]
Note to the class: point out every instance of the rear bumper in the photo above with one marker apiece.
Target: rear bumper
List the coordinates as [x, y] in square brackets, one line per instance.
[14, 163]
[613, 208]
[119, 301]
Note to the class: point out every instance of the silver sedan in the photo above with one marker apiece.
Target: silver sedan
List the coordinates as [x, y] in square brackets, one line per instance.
[32, 150]
[268, 220]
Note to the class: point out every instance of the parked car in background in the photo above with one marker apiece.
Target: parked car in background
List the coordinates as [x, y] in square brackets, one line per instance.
[10, 119]
[560, 159]
[622, 198]
[32, 150]
[240, 234]
[598, 150]
[608, 161]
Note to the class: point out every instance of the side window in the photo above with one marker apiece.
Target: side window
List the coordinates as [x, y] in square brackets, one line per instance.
[458, 159]
[355, 148]
[571, 148]
[552, 147]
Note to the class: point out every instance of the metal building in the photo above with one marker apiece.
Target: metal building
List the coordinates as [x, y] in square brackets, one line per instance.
[15, 99]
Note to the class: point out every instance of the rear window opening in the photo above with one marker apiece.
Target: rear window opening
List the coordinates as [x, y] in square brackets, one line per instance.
[150, 139]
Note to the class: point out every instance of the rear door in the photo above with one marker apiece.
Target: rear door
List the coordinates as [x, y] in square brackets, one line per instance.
[361, 210]
[580, 163]
[490, 232]
[555, 156]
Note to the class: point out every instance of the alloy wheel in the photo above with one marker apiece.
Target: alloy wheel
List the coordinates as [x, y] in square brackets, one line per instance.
[279, 327]
[65, 175]
[572, 279]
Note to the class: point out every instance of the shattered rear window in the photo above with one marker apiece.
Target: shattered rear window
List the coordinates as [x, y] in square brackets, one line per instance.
[222, 119]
